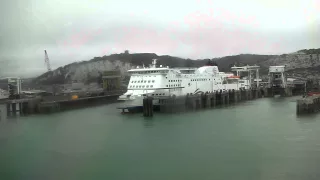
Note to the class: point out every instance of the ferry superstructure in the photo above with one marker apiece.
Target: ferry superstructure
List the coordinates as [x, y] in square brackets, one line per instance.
[165, 81]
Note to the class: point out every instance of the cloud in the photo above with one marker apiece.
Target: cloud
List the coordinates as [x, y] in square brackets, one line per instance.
[78, 30]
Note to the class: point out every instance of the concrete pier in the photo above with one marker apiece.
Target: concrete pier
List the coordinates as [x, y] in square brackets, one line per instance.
[283, 92]
[309, 104]
[25, 106]
[16, 107]
[193, 102]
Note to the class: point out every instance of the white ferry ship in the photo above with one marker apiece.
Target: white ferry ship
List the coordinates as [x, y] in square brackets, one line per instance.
[165, 81]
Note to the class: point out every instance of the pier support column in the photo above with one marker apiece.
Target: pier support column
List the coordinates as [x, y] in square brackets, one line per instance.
[265, 92]
[193, 103]
[208, 100]
[8, 109]
[148, 107]
[198, 101]
[203, 100]
[14, 109]
[235, 94]
[214, 100]
[187, 102]
[246, 95]
[223, 98]
[227, 97]
[20, 109]
[288, 92]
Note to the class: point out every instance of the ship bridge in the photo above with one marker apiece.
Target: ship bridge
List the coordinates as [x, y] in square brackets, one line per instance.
[207, 70]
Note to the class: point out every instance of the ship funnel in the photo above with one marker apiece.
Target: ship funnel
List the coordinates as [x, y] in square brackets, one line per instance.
[154, 62]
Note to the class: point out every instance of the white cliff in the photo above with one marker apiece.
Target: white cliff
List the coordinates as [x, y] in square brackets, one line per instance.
[82, 71]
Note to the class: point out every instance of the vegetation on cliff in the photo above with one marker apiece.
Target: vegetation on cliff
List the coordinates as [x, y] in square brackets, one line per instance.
[62, 74]
[310, 51]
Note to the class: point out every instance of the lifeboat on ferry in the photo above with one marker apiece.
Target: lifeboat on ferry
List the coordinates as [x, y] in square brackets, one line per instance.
[234, 77]
[313, 93]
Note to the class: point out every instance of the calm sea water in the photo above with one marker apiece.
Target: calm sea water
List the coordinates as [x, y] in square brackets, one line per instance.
[259, 140]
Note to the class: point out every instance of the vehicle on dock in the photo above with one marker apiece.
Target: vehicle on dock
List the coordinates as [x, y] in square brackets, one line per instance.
[164, 81]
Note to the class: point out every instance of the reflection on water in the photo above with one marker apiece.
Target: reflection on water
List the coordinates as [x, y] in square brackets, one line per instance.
[307, 117]
[148, 121]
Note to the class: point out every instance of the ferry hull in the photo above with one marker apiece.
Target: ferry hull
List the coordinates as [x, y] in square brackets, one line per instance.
[135, 104]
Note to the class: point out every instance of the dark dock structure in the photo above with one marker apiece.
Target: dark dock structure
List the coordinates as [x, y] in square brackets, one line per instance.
[48, 104]
[62, 97]
[308, 105]
[193, 102]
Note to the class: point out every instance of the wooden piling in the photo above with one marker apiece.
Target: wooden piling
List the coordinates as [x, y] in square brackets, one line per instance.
[14, 109]
[214, 100]
[228, 97]
[208, 100]
[235, 96]
[20, 109]
[203, 101]
[222, 98]
[241, 95]
[198, 102]
[8, 109]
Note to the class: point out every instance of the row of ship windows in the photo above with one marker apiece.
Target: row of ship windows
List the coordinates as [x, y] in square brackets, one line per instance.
[193, 75]
[200, 79]
[149, 81]
[139, 76]
[147, 86]
[173, 85]
[147, 72]
[175, 80]
[142, 81]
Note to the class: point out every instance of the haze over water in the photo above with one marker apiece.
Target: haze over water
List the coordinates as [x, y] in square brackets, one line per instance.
[260, 139]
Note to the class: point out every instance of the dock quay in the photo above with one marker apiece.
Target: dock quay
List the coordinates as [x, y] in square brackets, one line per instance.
[308, 105]
[50, 104]
[208, 100]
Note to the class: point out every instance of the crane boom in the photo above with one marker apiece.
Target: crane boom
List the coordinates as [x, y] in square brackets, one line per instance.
[46, 59]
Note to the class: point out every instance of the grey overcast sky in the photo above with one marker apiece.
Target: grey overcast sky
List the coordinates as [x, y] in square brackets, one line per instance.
[76, 30]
